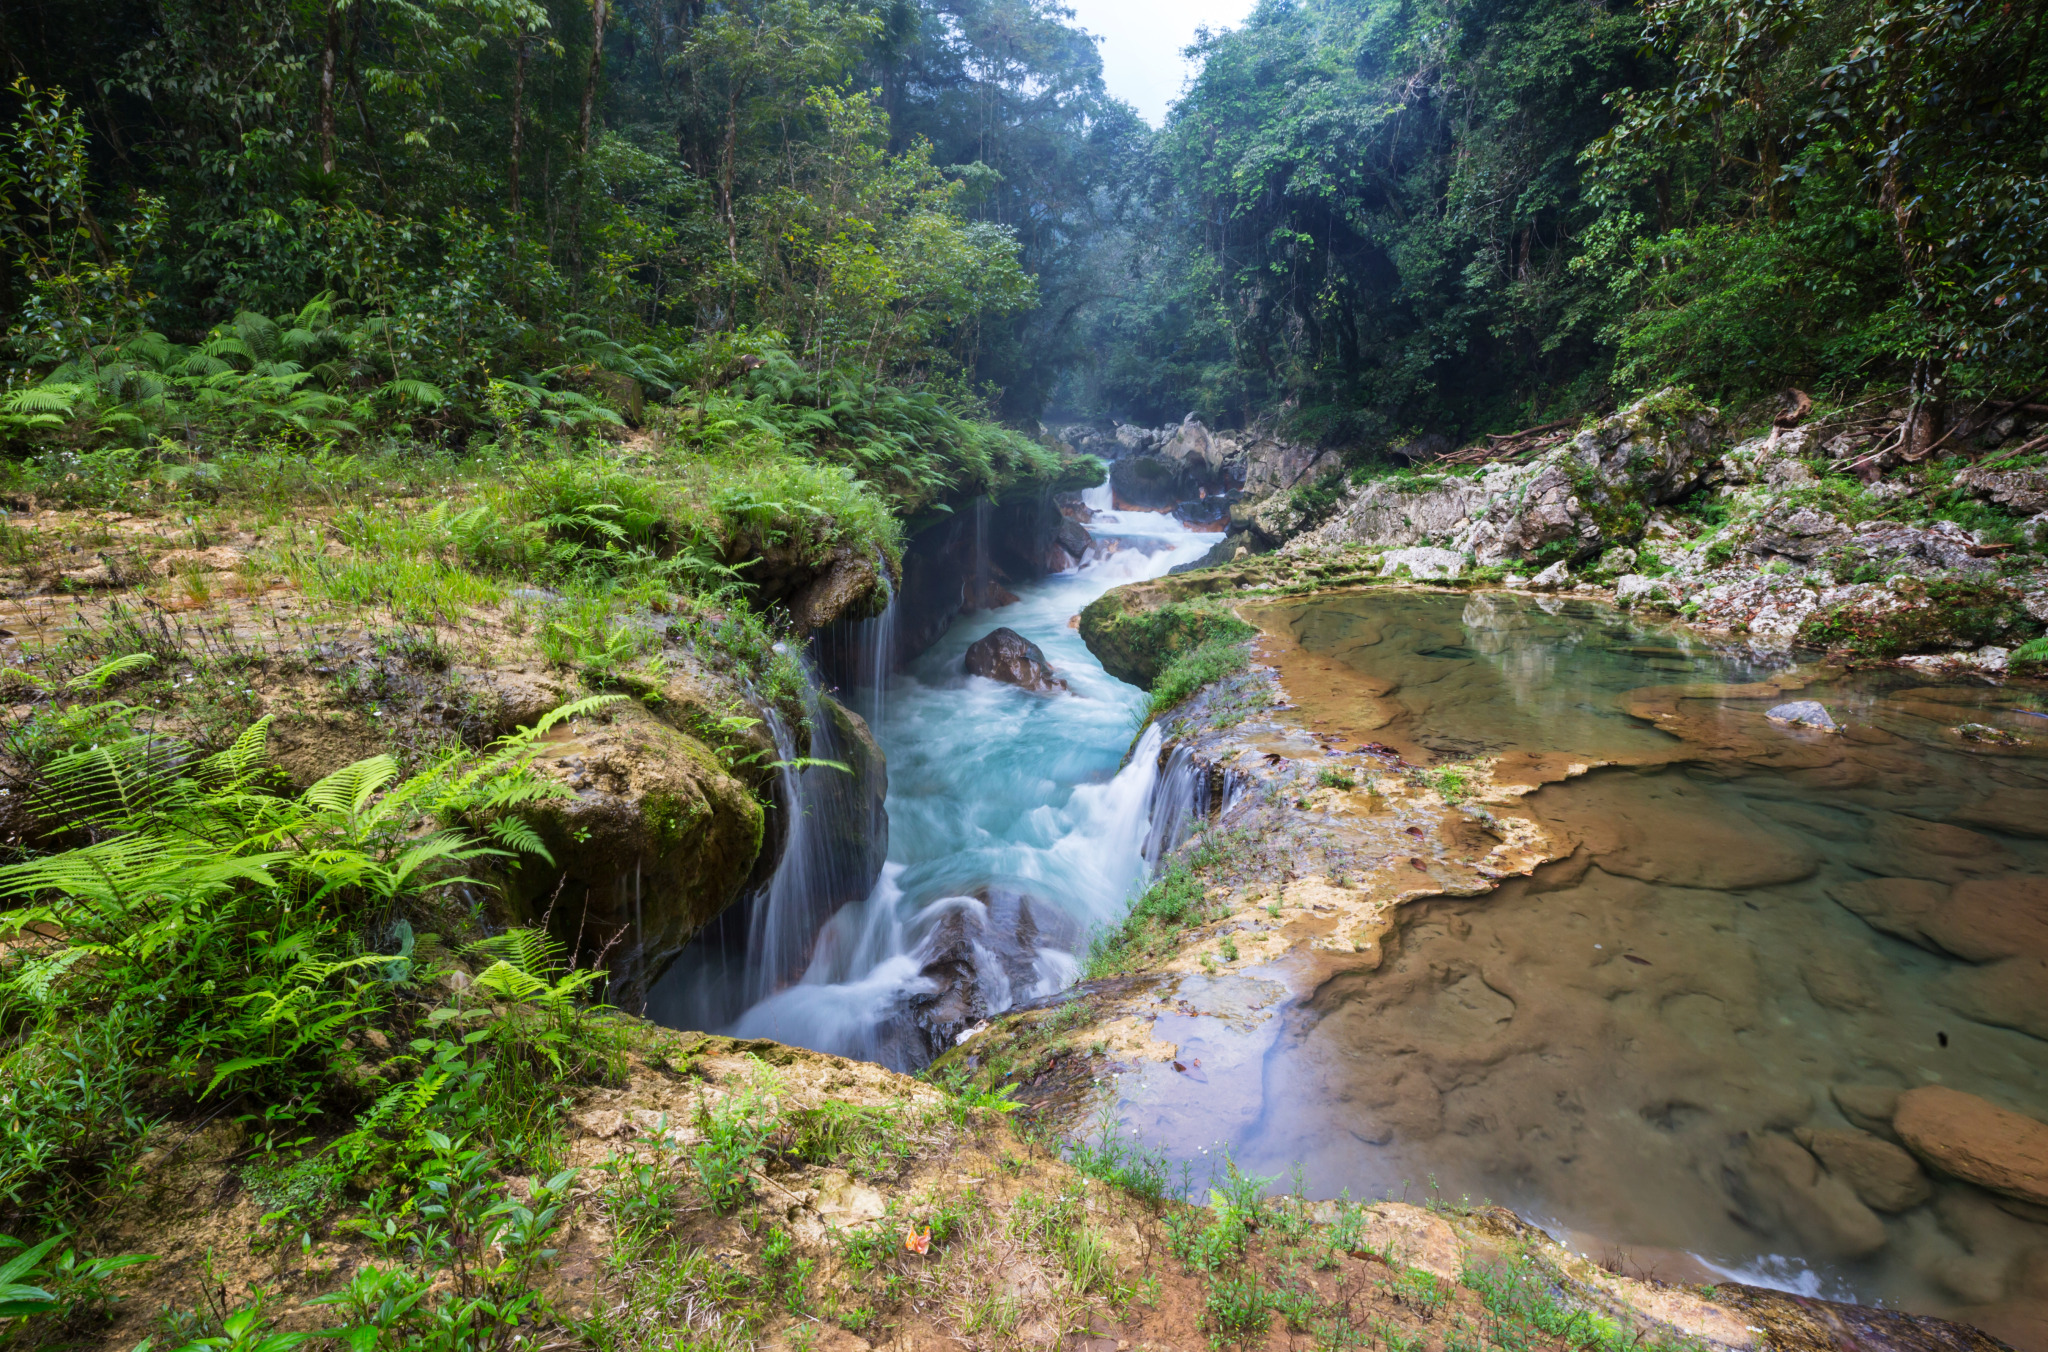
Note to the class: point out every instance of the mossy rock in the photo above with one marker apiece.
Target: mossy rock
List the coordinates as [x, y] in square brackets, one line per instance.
[660, 837]
[1136, 633]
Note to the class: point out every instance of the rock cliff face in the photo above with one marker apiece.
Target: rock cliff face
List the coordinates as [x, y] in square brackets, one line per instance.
[1592, 493]
[963, 562]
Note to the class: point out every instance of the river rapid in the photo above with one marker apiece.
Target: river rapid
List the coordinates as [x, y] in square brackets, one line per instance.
[1007, 809]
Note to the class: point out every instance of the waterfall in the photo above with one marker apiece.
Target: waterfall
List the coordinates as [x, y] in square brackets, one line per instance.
[831, 840]
[1099, 498]
[782, 921]
[977, 584]
[874, 971]
[1179, 803]
[1186, 799]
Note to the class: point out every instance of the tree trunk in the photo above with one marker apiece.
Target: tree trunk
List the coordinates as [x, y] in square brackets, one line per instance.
[518, 113]
[328, 59]
[597, 13]
[1926, 419]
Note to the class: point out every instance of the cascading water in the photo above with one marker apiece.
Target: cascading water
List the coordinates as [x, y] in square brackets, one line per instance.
[832, 827]
[1013, 833]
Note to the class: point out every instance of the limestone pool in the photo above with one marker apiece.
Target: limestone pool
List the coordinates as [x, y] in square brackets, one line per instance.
[1761, 933]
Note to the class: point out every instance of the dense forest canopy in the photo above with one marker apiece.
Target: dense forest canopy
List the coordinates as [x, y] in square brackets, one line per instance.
[1406, 217]
[1387, 217]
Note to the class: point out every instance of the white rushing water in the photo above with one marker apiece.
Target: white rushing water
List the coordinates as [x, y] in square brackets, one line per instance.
[994, 792]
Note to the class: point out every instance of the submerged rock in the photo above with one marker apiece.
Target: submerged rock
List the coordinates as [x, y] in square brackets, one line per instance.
[1883, 1176]
[1976, 1140]
[1007, 656]
[1821, 1207]
[1804, 713]
[1869, 1106]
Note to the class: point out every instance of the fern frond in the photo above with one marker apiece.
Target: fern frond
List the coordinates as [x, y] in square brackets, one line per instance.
[518, 833]
[350, 789]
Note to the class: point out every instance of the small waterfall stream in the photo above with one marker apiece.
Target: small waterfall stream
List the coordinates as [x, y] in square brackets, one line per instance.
[1015, 828]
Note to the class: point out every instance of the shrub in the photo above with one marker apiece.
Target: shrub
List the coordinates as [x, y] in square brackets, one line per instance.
[1205, 665]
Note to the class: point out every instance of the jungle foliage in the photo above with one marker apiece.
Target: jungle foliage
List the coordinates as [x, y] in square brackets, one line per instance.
[322, 218]
[1399, 215]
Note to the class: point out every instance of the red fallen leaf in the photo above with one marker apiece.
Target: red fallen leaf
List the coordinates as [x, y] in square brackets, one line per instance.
[1640, 962]
[918, 1241]
[1415, 831]
[1419, 865]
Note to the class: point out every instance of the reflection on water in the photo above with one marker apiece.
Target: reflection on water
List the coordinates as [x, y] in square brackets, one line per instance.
[1764, 934]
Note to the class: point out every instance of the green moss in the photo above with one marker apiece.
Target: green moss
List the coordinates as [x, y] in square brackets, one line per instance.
[672, 819]
[1137, 643]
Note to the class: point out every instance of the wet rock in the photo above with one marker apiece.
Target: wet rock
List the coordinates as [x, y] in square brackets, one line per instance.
[1553, 578]
[657, 840]
[1424, 564]
[1804, 713]
[1884, 1176]
[1192, 445]
[1869, 1106]
[1146, 483]
[1007, 656]
[1074, 539]
[978, 957]
[1821, 1207]
[843, 584]
[1230, 548]
[1976, 1140]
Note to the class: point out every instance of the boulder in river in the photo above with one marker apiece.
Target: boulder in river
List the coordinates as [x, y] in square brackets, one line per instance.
[1074, 539]
[1007, 656]
[1976, 1140]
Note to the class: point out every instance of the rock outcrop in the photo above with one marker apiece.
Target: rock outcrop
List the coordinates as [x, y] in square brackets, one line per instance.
[1007, 656]
[1590, 494]
[658, 839]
